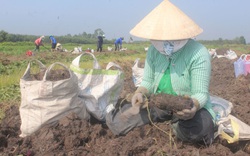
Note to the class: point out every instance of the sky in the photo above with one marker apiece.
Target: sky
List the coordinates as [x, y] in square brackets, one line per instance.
[226, 19]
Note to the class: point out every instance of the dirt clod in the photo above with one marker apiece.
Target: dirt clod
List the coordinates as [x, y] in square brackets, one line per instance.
[53, 75]
[170, 102]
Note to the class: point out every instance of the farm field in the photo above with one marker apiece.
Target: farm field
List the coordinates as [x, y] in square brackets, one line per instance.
[81, 137]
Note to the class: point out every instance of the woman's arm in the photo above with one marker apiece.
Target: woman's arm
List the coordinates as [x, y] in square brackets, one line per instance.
[200, 76]
[149, 71]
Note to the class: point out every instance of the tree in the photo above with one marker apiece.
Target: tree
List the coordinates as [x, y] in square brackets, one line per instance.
[220, 40]
[84, 34]
[242, 40]
[3, 36]
[98, 32]
[68, 35]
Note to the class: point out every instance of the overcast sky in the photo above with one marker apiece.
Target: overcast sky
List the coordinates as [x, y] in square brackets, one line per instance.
[224, 19]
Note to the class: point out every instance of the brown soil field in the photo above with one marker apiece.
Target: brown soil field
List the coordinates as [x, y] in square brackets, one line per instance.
[73, 136]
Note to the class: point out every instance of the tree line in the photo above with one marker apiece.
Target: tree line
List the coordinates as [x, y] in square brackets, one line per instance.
[83, 38]
[220, 41]
[88, 38]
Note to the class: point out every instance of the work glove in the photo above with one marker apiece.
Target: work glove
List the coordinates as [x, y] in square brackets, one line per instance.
[138, 99]
[187, 114]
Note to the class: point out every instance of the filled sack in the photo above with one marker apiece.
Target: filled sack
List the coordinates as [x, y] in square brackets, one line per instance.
[239, 67]
[137, 73]
[47, 97]
[230, 54]
[99, 88]
[120, 121]
[124, 118]
[247, 64]
[221, 107]
[233, 129]
[230, 128]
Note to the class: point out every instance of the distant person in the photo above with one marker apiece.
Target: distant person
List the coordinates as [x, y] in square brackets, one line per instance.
[100, 43]
[118, 43]
[53, 43]
[39, 42]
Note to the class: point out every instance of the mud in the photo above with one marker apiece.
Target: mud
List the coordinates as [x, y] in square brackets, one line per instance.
[53, 75]
[170, 102]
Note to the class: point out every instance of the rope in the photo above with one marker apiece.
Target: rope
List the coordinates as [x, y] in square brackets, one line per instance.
[169, 134]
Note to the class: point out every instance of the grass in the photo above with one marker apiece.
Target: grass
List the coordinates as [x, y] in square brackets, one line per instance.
[8, 80]
[235, 47]
[18, 48]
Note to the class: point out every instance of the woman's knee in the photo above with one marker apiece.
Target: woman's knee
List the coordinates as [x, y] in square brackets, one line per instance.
[199, 128]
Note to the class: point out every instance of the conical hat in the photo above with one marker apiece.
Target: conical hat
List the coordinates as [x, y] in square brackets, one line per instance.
[166, 22]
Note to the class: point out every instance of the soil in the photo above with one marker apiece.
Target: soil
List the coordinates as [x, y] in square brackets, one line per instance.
[170, 102]
[53, 75]
[72, 136]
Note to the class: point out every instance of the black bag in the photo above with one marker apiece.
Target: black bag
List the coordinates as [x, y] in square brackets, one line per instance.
[120, 122]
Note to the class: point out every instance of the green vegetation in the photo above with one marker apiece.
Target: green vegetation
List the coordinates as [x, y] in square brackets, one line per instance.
[82, 38]
[220, 41]
[236, 47]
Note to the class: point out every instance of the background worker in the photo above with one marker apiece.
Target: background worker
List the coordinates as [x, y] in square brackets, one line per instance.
[53, 43]
[178, 65]
[118, 43]
[100, 43]
[39, 42]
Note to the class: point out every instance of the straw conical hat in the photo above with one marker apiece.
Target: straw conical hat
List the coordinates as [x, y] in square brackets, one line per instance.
[166, 22]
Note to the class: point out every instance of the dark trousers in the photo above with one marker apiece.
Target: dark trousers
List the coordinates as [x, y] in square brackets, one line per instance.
[37, 48]
[118, 47]
[53, 45]
[99, 47]
[199, 129]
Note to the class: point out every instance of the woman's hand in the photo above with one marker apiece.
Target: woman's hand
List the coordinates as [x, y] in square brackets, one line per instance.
[138, 99]
[187, 114]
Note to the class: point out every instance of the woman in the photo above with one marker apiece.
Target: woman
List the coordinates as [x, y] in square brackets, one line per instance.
[118, 43]
[53, 42]
[100, 43]
[178, 65]
[39, 42]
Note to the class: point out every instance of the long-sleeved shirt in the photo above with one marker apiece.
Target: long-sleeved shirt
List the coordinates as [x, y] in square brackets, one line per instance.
[190, 69]
[53, 40]
[118, 41]
[100, 40]
[39, 41]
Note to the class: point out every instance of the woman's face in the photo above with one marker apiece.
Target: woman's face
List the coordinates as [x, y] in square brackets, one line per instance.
[168, 47]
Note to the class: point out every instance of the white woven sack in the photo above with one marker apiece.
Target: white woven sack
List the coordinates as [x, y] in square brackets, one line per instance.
[231, 54]
[98, 87]
[221, 107]
[233, 130]
[44, 102]
[229, 127]
[137, 73]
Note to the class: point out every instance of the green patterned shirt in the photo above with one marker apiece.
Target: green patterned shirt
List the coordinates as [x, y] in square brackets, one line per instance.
[190, 69]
